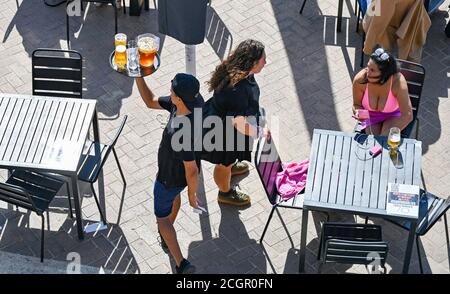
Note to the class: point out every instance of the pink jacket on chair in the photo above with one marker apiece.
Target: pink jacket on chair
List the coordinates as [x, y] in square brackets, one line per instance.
[292, 180]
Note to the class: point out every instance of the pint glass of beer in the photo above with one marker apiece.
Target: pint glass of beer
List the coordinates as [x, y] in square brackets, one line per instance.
[148, 45]
[120, 57]
[120, 39]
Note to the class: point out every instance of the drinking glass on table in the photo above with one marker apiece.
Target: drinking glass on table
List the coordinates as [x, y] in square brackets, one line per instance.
[394, 139]
[393, 142]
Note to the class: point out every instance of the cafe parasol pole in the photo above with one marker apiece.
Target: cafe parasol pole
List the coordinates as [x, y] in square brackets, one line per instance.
[191, 60]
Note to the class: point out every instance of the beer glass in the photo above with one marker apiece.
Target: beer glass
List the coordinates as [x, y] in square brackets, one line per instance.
[394, 138]
[132, 55]
[148, 45]
[120, 39]
[120, 57]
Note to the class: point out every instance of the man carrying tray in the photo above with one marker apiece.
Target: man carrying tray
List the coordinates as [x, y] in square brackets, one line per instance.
[178, 165]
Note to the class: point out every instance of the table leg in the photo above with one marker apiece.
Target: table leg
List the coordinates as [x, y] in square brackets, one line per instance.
[409, 246]
[100, 182]
[76, 200]
[95, 127]
[339, 16]
[304, 231]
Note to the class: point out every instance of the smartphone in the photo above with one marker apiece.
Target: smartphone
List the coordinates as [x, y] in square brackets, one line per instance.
[374, 151]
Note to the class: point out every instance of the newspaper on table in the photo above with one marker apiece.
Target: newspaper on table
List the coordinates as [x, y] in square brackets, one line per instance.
[403, 200]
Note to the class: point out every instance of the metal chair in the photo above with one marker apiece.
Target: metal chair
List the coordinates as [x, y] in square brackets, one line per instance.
[352, 244]
[361, 13]
[431, 209]
[414, 74]
[112, 2]
[268, 164]
[92, 165]
[360, 10]
[55, 74]
[31, 191]
[304, 2]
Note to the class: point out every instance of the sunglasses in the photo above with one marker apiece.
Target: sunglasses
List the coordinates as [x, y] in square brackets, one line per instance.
[380, 54]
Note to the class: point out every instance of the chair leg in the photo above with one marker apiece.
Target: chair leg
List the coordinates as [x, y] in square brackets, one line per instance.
[115, 16]
[362, 50]
[366, 220]
[320, 268]
[124, 184]
[357, 20]
[418, 254]
[98, 204]
[446, 226]
[267, 223]
[118, 165]
[67, 31]
[356, 6]
[42, 237]
[70, 200]
[303, 6]
[124, 8]
[417, 128]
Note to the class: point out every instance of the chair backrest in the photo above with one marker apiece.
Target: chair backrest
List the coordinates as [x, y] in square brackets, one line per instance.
[437, 207]
[268, 164]
[355, 252]
[414, 74]
[348, 231]
[432, 5]
[16, 195]
[353, 243]
[57, 73]
[362, 6]
[119, 131]
[106, 151]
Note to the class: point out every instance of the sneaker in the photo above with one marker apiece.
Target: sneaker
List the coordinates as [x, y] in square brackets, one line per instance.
[185, 267]
[233, 197]
[239, 168]
[163, 243]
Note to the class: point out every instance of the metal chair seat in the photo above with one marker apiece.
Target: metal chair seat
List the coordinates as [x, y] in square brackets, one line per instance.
[32, 191]
[41, 189]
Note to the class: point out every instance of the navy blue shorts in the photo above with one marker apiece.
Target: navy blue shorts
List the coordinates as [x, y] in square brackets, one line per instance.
[164, 198]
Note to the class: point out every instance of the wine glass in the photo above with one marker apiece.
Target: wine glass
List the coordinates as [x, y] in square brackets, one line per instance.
[394, 141]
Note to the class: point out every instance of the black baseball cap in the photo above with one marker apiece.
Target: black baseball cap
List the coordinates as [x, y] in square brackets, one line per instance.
[187, 87]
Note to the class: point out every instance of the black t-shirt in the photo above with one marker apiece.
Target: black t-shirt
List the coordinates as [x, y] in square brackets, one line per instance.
[240, 100]
[171, 171]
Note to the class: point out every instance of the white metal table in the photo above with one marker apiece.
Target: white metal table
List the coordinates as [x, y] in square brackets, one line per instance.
[46, 134]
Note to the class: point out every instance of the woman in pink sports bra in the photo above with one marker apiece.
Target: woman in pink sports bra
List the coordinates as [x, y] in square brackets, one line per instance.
[382, 90]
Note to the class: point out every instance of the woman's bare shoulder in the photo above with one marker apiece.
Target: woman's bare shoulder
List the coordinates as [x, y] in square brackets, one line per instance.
[360, 77]
[399, 81]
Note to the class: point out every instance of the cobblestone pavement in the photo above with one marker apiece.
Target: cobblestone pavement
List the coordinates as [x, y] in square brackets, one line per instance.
[306, 83]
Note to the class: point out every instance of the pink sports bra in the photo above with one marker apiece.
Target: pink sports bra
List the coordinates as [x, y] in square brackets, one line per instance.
[391, 102]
